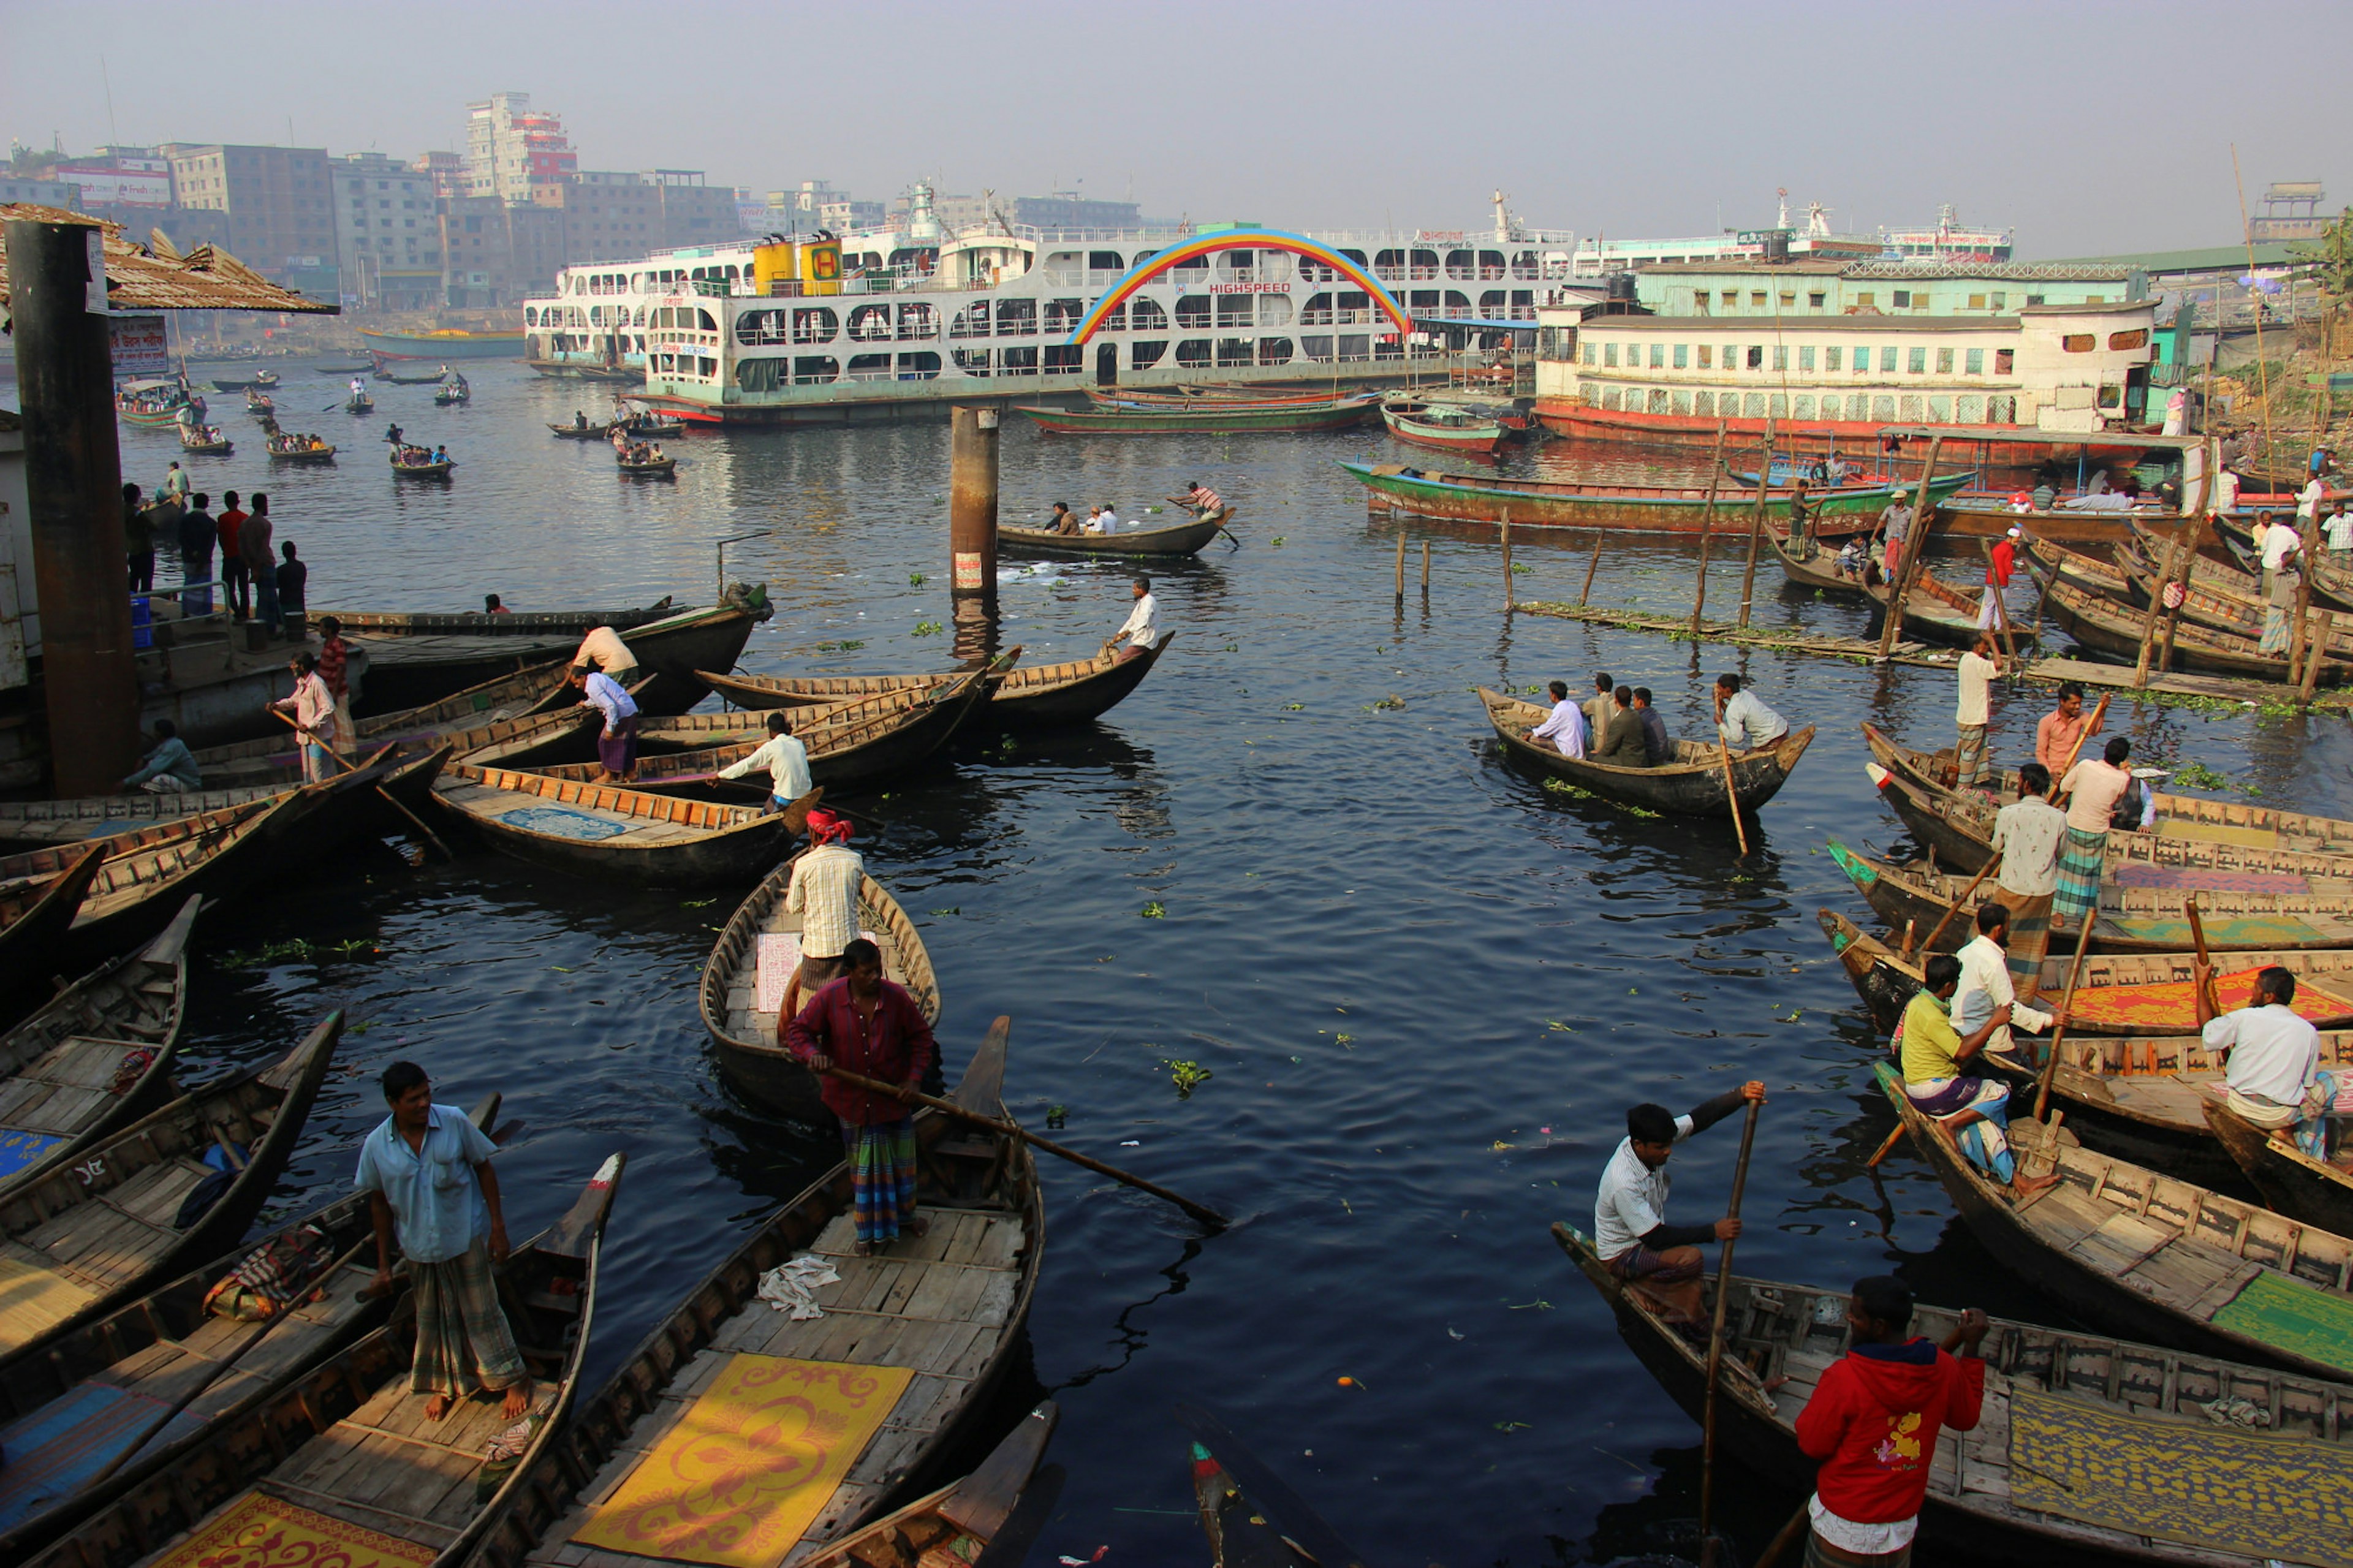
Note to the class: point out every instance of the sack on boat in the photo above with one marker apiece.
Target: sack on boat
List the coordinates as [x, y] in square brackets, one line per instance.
[135, 1063]
[273, 1278]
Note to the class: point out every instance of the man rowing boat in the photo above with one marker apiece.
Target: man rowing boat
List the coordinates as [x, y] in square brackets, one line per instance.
[1199, 500]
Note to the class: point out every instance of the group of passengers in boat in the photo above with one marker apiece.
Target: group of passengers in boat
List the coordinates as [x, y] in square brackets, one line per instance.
[1618, 725]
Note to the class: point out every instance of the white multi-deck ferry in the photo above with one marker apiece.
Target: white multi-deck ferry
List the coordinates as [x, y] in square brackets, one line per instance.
[791, 329]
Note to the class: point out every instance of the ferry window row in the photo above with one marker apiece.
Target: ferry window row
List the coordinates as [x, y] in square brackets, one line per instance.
[1775, 357]
[1874, 409]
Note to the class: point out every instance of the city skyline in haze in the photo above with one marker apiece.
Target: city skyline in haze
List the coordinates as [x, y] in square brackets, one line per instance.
[2085, 128]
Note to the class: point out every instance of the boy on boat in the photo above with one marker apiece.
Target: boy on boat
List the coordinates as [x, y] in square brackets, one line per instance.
[426, 1169]
[866, 1024]
[1631, 1234]
[1872, 1422]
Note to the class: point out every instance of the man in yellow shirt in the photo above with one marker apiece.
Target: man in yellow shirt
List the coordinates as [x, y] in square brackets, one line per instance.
[1972, 1114]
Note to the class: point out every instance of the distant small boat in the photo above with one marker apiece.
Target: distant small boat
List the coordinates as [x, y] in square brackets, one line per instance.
[1177, 539]
[1218, 417]
[650, 467]
[362, 368]
[300, 449]
[432, 469]
[450, 393]
[442, 344]
[1448, 429]
[359, 402]
[259, 404]
[205, 440]
[386, 374]
[242, 383]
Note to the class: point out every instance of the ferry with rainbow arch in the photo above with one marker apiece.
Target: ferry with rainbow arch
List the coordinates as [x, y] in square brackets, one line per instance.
[831, 329]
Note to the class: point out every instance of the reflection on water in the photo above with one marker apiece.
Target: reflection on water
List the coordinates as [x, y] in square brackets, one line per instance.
[1425, 987]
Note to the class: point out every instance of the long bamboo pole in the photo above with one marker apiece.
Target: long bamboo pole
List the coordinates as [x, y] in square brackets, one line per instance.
[1716, 1348]
[1913, 543]
[2067, 1006]
[389, 799]
[1706, 522]
[1955, 907]
[1507, 560]
[1755, 529]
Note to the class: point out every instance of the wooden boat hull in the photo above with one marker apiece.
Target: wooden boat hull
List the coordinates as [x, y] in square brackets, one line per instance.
[744, 1040]
[467, 720]
[1690, 788]
[719, 844]
[671, 650]
[1641, 509]
[888, 745]
[33, 941]
[180, 1130]
[1933, 612]
[1212, 419]
[2111, 630]
[976, 1175]
[1031, 695]
[1182, 539]
[440, 345]
[548, 1287]
[422, 470]
[2291, 1181]
[666, 469]
[1479, 440]
[309, 455]
[1973, 1522]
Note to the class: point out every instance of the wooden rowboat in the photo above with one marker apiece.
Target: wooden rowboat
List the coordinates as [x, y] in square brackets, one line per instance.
[206, 441]
[344, 1454]
[2208, 603]
[1177, 539]
[164, 1353]
[1205, 419]
[2308, 840]
[939, 1317]
[1421, 424]
[2316, 1192]
[603, 830]
[511, 624]
[670, 648]
[465, 721]
[651, 468]
[426, 471]
[80, 817]
[956, 1523]
[2129, 920]
[742, 988]
[2120, 993]
[2106, 627]
[2165, 1260]
[98, 1054]
[1028, 695]
[1646, 509]
[1933, 612]
[1986, 1502]
[1691, 785]
[36, 913]
[80, 1241]
[359, 402]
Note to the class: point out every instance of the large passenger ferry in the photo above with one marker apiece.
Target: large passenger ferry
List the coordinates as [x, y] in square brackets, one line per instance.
[825, 328]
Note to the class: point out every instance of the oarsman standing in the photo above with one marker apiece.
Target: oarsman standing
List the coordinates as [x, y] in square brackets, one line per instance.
[1631, 1233]
[785, 759]
[1978, 666]
[236, 583]
[823, 890]
[254, 542]
[2028, 834]
[1742, 721]
[314, 708]
[1993, 612]
[426, 1171]
[1564, 729]
[1199, 500]
[2093, 787]
[1894, 527]
[867, 1024]
[2060, 735]
[1872, 1423]
[616, 742]
[603, 650]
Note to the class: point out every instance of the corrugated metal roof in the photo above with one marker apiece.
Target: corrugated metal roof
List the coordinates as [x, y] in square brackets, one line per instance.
[2212, 259]
[154, 277]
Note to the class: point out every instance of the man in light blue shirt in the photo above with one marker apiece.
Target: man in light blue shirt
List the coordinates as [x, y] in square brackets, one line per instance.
[170, 768]
[1742, 721]
[426, 1171]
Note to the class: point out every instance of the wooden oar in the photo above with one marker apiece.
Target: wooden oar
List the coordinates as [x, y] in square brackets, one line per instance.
[2066, 1006]
[1955, 907]
[1885, 1149]
[1731, 796]
[2205, 960]
[906, 1096]
[1800, 1522]
[349, 768]
[262, 1329]
[1715, 1347]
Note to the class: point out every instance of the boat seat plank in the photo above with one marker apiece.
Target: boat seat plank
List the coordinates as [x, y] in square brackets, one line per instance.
[50, 1109]
[82, 1061]
[390, 1522]
[155, 1194]
[34, 1297]
[2119, 1243]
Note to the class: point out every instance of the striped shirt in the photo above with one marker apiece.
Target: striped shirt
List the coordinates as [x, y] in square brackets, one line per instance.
[1206, 499]
[824, 893]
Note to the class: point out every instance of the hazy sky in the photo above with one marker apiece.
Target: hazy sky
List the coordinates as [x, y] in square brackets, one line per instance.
[2089, 127]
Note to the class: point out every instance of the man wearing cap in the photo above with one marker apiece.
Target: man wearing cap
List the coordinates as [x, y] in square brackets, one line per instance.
[824, 892]
[1978, 666]
[1993, 609]
[1894, 524]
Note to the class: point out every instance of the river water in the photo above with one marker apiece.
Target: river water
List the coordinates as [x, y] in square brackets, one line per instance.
[1424, 988]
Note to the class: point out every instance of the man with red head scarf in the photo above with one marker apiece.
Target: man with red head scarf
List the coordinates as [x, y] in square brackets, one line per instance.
[824, 892]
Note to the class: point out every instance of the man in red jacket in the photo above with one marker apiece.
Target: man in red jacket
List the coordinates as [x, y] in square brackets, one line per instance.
[865, 1024]
[1872, 1422]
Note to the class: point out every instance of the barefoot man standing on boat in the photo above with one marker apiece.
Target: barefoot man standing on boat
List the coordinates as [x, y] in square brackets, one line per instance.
[1631, 1232]
[870, 1027]
[427, 1169]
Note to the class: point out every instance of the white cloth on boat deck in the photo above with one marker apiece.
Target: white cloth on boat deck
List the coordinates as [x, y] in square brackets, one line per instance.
[792, 1287]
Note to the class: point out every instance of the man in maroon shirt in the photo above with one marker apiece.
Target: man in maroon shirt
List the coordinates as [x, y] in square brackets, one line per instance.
[334, 669]
[864, 1024]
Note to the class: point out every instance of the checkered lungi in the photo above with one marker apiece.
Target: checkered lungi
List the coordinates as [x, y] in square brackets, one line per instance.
[2029, 939]
[1968, 755]
[463, 1342]
[2080, 858]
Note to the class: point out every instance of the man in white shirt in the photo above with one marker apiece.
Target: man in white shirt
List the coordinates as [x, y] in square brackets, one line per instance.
[2026, 835]
[2307, 500]
[1566, 727]
[1141, 630]
[1978, 666]
[1108, 517]
[2225, 497]
[1631, 1232]
[2337, 529]
[1986, 987]
[825, 881]
[2281, 543]
[786, 759]
[2271, 1051]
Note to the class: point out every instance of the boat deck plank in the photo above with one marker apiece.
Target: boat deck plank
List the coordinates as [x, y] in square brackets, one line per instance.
[636, 830]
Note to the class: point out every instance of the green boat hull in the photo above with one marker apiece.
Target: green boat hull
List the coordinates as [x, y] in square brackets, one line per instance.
[1645, 508]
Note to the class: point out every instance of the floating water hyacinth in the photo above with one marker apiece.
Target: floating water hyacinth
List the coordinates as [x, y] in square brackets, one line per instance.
[1153, 910]
[928, 629]
[840, 646]
[297, 948]
[1187, 1076]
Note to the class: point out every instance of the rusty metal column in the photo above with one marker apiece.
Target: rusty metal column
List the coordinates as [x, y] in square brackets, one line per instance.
[972, 529]
[73, 480]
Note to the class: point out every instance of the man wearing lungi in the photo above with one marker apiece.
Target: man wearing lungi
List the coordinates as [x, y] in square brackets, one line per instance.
[1978, 666]
[2092, 788]
[1872, 1422]
[426, 1169]
[1631, 1233]
[2028, 834]
[616, 744]
[1971, 1114]
[868, 1026]
[2271, 1052]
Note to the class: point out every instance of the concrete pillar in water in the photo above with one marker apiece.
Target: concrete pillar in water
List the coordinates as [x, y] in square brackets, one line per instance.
[73, 481]
[972, 529]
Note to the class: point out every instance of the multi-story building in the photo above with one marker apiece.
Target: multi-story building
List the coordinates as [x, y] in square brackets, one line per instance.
[1069, 210]
[512, 150]
[279, 203]
[387, 233]
[122, 177]
[40, 193]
